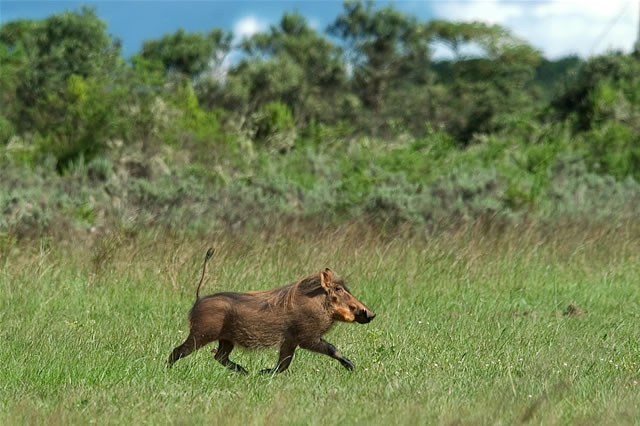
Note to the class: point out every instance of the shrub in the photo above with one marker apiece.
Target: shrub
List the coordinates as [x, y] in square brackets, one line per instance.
[7, 130]
[274, 126]
[78, 123]
[612, 148]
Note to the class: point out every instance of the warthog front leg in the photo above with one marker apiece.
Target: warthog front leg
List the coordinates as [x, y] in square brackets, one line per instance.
[323, 347]
[287, 350]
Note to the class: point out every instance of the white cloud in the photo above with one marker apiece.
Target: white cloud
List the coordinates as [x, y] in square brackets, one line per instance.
[558, 27]
[314, 23]
[248, 26]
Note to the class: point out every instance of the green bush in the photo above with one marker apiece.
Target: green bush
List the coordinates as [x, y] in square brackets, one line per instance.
[578, 193]
[274, 126]
[612, 149]
[78, 123]
[7, 130]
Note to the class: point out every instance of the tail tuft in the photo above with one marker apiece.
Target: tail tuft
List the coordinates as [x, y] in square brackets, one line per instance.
[210, 253]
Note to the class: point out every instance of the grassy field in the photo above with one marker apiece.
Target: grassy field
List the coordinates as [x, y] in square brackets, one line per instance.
[472, 327]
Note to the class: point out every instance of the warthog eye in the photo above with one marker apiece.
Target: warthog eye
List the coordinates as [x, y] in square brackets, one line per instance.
[339, 290]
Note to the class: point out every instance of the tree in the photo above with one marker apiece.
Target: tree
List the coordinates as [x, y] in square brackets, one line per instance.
[388, 52]
[585, 99]
[292, 64]
[603, 105]
[189, 53]
[45, 54]
[553, 76]
[490, 76]
[79, 121]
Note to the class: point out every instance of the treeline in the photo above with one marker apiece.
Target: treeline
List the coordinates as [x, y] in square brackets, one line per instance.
[363, 120]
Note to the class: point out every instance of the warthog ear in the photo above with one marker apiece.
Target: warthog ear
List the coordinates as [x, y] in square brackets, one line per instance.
[326, 278]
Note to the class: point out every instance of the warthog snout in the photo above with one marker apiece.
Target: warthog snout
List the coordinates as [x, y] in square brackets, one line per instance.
[365, 316]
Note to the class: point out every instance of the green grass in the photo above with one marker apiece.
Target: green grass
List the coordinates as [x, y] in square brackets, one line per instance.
[469, 328]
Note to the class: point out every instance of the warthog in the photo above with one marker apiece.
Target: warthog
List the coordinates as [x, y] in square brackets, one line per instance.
[297, 314]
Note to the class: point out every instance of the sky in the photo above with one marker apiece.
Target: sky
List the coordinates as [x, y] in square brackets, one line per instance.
[557, 28]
